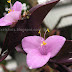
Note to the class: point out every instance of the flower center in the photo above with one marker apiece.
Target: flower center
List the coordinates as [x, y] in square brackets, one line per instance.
[10, 11]
[43, 48]
[44, 43]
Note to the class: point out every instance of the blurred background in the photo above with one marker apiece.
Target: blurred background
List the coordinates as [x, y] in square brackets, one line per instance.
[58, 20]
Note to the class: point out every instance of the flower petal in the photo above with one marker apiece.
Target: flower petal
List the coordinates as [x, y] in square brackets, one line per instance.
[36, 60]
[54, 44]
[12, 17]
[3, 23]
[17, 6]
[31, 42]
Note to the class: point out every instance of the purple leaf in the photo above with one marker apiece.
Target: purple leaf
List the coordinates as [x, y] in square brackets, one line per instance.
[65, 54]
[59, 67]
[38, 13]
[14, 37]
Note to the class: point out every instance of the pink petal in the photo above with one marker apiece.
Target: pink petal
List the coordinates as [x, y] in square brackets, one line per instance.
[36, 60]
[31, 42]
[12, 17]
[54, 44]
[17, 6]
[3, 23]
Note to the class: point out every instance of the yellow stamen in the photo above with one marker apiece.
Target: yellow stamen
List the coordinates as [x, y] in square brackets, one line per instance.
[48, 30]
[39, 32]
[9, 11]
[44, 43]
[9, 1]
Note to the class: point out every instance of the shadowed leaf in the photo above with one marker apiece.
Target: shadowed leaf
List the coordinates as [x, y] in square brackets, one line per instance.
[59, 67]
[39, 12]
[14, 37]
[65, 54]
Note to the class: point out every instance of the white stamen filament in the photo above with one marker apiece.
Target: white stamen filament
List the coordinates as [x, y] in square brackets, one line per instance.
[10, 5]
[45, 34]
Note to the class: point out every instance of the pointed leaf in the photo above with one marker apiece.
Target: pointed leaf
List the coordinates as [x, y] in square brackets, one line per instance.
[59, 67]
[39, 12]
[14, 37]
[65, 54]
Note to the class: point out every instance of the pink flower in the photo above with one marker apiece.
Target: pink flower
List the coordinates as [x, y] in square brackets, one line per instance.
[13, 15]
[39, 50]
